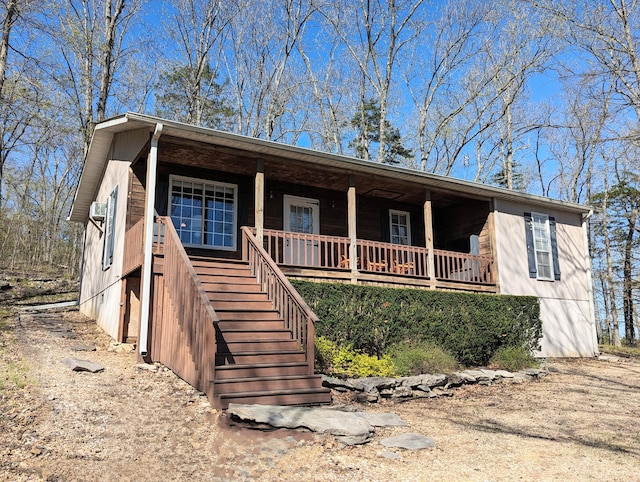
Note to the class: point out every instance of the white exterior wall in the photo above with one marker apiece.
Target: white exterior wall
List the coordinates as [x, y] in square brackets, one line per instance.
[564, 304]
[100, 291]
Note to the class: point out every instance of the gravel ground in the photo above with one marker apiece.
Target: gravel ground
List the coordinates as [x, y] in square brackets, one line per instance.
[580, 422]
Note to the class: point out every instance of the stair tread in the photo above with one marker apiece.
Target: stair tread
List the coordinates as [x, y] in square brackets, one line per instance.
[267, 379]
[260, 365]
[258, 352]
[284, 391]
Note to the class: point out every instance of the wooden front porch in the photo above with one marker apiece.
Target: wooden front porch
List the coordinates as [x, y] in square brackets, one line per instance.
[330, 258]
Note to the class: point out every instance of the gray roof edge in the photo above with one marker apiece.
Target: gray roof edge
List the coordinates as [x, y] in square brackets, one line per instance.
[132, 120]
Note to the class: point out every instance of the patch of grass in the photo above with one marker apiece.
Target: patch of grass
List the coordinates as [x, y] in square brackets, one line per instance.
[623, 351]
[14, 372]
[415, 358]
[49, 298]
[5, 315]
[513, 359]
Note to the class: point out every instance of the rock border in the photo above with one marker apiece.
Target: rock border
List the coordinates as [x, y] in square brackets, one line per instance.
[373, 389]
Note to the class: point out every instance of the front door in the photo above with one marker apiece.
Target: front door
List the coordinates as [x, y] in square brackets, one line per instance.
[301, 215]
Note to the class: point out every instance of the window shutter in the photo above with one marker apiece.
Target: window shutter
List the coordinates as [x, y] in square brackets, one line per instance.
[554, 248]
[112, 240]
[531, 252]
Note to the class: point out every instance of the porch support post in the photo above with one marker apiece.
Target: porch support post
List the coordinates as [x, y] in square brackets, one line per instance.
[351, 229]
[494, 244]
[428, 237]
[259, 201]
[149, 219]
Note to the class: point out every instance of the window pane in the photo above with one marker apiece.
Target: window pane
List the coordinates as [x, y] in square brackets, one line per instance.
[200, 211]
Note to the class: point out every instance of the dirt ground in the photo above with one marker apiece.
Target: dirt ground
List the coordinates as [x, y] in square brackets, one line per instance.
[580, 422]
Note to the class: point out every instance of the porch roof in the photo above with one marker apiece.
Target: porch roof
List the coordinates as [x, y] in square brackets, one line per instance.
[98, 156]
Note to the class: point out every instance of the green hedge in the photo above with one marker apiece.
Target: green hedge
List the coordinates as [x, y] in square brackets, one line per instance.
[471, 326]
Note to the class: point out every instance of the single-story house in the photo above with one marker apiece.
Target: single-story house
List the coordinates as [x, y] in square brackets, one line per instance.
[192, 234]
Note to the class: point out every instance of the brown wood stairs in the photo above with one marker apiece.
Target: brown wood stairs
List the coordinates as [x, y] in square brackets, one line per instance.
[257, 359]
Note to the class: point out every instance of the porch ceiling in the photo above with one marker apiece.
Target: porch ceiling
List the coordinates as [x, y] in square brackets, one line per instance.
[194, 154]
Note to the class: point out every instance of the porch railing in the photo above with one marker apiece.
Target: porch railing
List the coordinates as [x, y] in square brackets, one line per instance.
[188, 318]
[133, 255]
[291, 307]
[309, 250]
[332, 252]
[469, 268]
[374, 256]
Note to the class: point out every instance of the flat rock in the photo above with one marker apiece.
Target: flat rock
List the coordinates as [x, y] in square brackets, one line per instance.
[82, 348]
[477, 374]
[460, 378]
[336, 383]
[82, 365]
[402, 392]
[370, 383]
[321, 420]
[370, 396]
[427, 379]
[387, 454]
[409, 441]
[504, 374]
[382, 419]
[121, 347]
[147, 366]
[353, 439]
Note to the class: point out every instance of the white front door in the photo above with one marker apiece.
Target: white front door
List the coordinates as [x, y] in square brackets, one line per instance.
[301, 215]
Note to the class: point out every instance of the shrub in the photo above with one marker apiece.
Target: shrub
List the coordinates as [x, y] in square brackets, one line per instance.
[513, 359]
[415, 358]
[344, 361]
[470, 326]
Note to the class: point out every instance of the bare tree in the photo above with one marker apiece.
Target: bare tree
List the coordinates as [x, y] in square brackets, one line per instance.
[189, 86]
[91, 40]
[263, 71]
[374, 33]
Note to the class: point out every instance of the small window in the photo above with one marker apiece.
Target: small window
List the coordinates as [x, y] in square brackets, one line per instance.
[204, 213]
[110, 229]
[542, 246]
[400, 227]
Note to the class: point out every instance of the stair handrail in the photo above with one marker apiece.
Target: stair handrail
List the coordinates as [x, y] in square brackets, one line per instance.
[286, 299]
[192, 307]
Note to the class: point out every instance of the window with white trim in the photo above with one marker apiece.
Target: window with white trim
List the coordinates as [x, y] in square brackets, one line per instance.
[400, 227]
[542, 246]
[110, 229]
[204, 213]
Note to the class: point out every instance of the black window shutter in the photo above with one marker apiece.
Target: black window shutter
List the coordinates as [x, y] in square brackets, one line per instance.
[531, 252]
[112, 234]
[554, 247]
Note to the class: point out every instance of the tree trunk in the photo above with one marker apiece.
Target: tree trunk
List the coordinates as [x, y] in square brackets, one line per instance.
[627, 289]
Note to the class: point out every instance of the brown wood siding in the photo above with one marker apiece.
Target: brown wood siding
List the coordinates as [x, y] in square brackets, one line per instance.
[333, 206]
[136, 195]
[373, 219]
[453, 225]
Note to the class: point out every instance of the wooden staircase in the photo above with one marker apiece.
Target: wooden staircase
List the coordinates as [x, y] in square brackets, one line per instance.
[257, 359]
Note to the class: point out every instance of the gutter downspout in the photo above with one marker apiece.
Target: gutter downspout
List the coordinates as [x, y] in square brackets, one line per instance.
[587, 258]
[149, 215]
